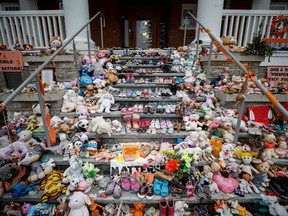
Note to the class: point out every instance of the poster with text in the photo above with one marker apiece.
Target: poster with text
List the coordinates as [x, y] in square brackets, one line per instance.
[11, 61]
[277, 75]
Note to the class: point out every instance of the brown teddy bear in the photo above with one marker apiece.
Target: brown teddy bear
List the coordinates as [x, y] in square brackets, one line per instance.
[230, 42]
[90, 91]
[111, 76]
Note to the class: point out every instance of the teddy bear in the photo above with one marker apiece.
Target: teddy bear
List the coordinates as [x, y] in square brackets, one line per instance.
[230, 42]
[26, 136]
[82, 112]
[203, 139]
[99, 125]
[69, 101]
[209, 95]
[99, 83]
[105, 101]
[138, 211]
[193, 123]
[111, 76]
[90, 90]
[226, 152]
[237, 83]
[269, 143]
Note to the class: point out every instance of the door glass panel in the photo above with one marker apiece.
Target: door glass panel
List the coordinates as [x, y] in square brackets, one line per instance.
[144, 34]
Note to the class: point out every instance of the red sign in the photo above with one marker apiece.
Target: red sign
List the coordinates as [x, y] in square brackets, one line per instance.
[276, 75]
[11, 61]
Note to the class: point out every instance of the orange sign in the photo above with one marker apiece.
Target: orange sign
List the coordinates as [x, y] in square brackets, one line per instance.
[11, 61]
[276, 75]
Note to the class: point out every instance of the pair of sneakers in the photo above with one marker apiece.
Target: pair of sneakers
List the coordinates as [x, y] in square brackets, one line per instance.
[146, 189]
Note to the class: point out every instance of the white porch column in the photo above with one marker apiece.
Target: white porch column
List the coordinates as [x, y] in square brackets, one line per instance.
[209, 13]
[28, 4]
[76, 13]
[261, 4]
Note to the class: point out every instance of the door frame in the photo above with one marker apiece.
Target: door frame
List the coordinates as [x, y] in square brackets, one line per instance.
[144, 14]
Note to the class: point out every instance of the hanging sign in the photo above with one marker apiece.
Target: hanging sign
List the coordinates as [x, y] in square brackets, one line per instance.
[11, 61]
[277, 75]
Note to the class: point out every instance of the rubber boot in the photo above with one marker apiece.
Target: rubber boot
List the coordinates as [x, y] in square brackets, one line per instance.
[163, 206]
[170, 208]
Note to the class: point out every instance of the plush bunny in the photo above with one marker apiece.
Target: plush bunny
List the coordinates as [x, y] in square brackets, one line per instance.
[105, 101]
[78, 204]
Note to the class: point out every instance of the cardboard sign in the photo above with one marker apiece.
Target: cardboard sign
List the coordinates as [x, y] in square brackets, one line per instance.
[276, 75]
[11, 61]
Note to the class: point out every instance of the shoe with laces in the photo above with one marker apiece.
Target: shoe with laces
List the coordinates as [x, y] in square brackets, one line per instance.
[150, 193]
[143, 190]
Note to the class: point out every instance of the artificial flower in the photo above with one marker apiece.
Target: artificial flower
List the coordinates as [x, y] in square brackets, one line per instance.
[172, 165]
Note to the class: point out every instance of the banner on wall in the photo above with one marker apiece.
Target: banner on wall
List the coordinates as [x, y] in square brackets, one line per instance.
[277, 75]
[11, 61]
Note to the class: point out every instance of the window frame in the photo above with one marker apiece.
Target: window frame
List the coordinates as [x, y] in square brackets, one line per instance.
[188, 7]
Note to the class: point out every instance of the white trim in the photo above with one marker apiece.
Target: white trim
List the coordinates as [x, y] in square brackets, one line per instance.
[9, 4]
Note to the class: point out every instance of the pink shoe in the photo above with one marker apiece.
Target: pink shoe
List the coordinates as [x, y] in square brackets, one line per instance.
[125, 182]
[135, 186]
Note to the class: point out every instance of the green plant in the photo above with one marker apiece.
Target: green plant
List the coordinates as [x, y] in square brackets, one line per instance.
[258, 47]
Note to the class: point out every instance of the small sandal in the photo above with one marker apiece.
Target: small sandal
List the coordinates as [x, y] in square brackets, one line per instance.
[189, 191]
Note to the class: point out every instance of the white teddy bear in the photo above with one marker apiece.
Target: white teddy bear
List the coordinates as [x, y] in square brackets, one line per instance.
[99, 125]
[70, 100]
[226, 152]
[105, 101]
[193, 124]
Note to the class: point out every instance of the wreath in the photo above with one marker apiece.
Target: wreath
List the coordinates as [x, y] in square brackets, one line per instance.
[279, 25]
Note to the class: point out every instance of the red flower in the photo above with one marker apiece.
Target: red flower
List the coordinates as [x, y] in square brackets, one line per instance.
[172, 165]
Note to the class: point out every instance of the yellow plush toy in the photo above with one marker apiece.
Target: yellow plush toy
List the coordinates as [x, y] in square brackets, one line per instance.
[53, 186]
[230, 42]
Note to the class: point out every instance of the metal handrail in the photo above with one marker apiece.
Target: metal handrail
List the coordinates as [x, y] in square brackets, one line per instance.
[41, 67]
[283, 111]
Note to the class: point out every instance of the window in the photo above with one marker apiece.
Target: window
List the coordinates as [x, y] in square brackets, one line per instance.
[278, 6]
[186, 18]
[10, 6]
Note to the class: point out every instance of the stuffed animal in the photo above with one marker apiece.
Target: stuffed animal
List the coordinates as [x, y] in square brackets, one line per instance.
[74, 170]
[116, 125]
[82, 112]
[138, 211]
[14, 152]
[73, 185]
[193, 123]
[52, 186]
[226, 152]
[90, 91]
[55, 43]
[274, 207]
[230, 42]
[65, 147]
[32, 159]
[69, 101]
[10, 174]
[269, 144]
[105, 155]
[78, 204]
[203, 139]
[264, 167]
[111, 76]
[105, 101]
[37, 112]
[94, 208]
[209, 95]
[26, 136]
[99, 125]
[179, 208]
[81, 126]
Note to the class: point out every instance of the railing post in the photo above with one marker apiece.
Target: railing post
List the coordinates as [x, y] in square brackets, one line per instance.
[101, 31]
[197, 41]
[43, 111]
[185, 30]
[88, 41]
[209, 60]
